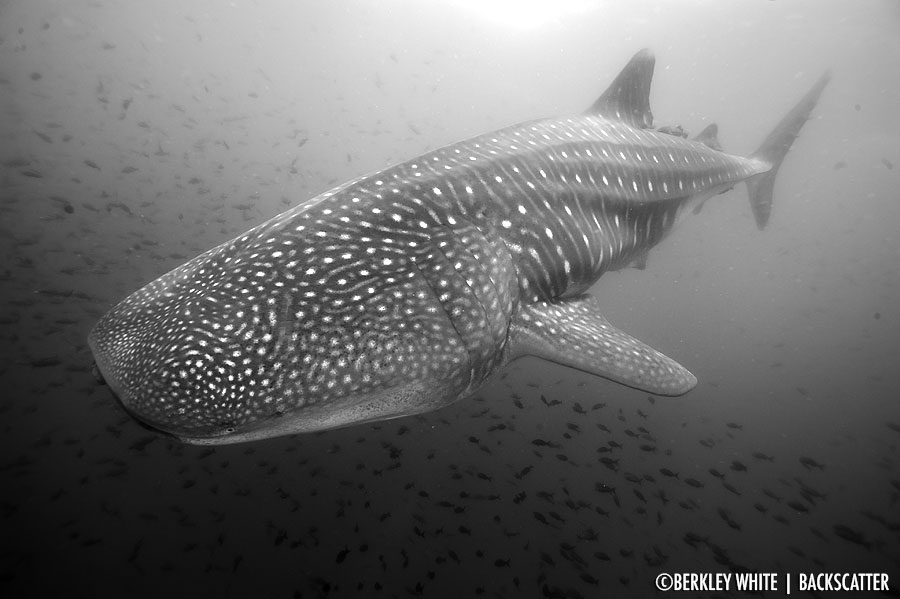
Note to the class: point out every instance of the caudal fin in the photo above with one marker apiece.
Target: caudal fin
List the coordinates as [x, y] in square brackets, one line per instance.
[774, 149]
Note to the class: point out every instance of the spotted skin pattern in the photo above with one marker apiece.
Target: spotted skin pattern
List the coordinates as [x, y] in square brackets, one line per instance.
[404, 290]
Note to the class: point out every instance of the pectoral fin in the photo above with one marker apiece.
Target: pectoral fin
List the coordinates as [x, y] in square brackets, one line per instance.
[574, 333]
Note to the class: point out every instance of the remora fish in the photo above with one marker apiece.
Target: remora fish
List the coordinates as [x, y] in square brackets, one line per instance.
[402, 291]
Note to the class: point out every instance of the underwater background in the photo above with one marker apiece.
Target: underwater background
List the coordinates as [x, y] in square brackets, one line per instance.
[135, 135]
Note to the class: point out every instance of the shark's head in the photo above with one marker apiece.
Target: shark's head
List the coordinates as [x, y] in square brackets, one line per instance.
[216, 351]
[276, 333]
[176, 365]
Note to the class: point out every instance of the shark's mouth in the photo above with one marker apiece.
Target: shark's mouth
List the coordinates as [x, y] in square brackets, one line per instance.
[97, 371]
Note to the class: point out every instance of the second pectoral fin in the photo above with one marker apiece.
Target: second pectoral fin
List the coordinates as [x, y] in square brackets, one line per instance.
[574, 333]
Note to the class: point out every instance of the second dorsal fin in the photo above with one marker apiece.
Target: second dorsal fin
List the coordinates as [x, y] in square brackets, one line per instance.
[709, 137]
[627, 99]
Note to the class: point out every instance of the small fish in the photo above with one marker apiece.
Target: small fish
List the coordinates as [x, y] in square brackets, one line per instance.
[810, 463]
[17, 162]
[45, 362]
[135, 550]
[693, 539]
[44, 137]
[731, 488]
[738, 466]
[550, 403]
[771, 495]
[851, 535]
[728, 519]
[92, 164]
[541, 518]
[543, 443]
[123, 207]
[523, 472]
[604, 488]
[610, 463]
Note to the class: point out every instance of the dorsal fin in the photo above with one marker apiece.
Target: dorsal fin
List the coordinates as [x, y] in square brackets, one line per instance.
[628, 98]
[709, 137]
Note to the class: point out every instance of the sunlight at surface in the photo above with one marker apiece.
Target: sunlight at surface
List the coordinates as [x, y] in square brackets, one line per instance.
[523, 14]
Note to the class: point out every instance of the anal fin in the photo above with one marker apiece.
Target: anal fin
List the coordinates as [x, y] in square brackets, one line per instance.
[640, 261]
[574, 333]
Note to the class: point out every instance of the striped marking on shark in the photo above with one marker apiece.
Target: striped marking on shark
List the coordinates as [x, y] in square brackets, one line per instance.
[403, 291]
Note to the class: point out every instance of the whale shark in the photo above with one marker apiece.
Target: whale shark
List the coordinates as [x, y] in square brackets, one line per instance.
[405, 290]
